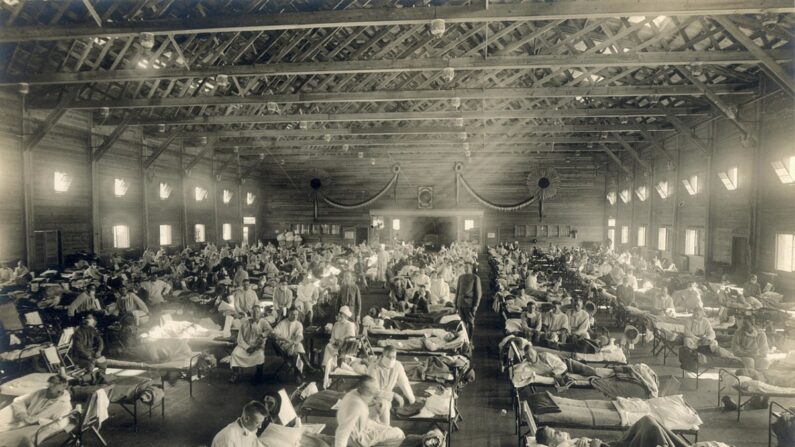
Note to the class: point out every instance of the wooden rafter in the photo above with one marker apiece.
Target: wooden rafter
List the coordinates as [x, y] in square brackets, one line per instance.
[689, 133]
[580, 9]
[632, 152]
[114, 136]
[775, 70]
[559, 61]
[729, 111]
[615, 158]
[160, 150]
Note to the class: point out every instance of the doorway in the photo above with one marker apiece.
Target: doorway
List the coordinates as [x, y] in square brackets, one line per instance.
[47, 251]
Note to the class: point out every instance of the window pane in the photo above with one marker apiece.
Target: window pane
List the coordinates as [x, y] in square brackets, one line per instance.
[785, 252]
[611, 234]
[61, 181]
[396, 224]
[119, 187]
[625, 234]
[165, 191]
[121, 236]
[227, 196]
[198, 231]
[201, 193]
[469, 224]
[611, 222]
[165, 234]
[641, 236]
[250, 198]
[226, 233]
[662, 239]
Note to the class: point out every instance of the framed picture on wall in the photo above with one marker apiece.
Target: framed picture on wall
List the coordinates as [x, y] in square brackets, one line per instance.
[350, 233]
[554, 230]
[304, 229]
[315, 228]
[325, 229]
[335, 229]
[532, 231]
[519, 231]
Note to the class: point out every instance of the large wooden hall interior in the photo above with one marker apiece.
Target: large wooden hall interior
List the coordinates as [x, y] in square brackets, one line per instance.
[397, 223]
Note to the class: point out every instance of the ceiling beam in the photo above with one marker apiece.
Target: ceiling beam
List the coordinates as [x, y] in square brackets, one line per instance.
[114, 136]
[394, 130]
[731, 112]
[477, 13]
[555, 61]
[656, 144]
[769, 62]
[49, 123]
[407, 95]
[419, 116]
[690, 134]
[93, 12]
[159, 151]
[632, 152]
[615, 158]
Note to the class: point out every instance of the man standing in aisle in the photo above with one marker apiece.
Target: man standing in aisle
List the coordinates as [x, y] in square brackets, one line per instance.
[467, 298]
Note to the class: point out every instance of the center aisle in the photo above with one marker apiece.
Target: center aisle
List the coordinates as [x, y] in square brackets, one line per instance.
[481, 403]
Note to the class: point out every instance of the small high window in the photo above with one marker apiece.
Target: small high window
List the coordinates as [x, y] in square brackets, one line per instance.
[729, 178]
[200, 193]
[691, 184]
[61, 181]
[120, 187]
[663, 190]
[227, 196]
[396, 224]
[785, 170]
[642, 192]
[250, 197]
[469, 224]
[165, 191]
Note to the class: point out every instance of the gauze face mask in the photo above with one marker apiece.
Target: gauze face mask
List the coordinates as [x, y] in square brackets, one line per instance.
[388, 363]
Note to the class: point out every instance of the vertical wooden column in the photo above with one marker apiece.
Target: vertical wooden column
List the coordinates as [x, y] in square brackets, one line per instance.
[184, 188]
[218, 233]
[144, 193]
[27, 184]
[675, 218]
[96, 224]
[756, 173]
[651, 229]
[713, 128]
[240, 209]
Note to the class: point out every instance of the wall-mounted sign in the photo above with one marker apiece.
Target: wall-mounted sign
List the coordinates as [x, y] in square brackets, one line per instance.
[249, 220]
[491, 235]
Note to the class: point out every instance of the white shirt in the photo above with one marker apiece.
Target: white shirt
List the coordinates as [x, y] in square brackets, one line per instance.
[234, 435]
[352, 417]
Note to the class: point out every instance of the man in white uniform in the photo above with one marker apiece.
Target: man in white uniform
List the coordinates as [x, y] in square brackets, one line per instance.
[354, 426]
[243, 431]
[388, 374]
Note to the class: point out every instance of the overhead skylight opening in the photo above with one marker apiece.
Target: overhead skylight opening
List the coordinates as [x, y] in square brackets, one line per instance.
[729, 178]
[691, 184]
[642, 192]
[663, 190]
[785, 170]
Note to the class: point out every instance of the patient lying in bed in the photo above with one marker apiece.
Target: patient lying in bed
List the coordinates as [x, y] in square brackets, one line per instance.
[450, 341]
[647, 431]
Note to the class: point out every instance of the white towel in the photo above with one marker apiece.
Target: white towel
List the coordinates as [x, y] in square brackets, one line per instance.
[102, 405]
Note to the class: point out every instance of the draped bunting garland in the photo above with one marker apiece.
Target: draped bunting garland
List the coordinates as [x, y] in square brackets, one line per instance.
[460, 179]
[346, 206]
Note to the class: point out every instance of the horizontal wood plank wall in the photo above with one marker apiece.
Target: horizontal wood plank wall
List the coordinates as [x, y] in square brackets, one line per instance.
[65, 149]
[730, 211]
[579, 203]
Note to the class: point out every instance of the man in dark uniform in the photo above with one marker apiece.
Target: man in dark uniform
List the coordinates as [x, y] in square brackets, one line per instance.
[467, 298]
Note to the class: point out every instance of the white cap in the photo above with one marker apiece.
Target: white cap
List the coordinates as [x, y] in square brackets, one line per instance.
[345, 310]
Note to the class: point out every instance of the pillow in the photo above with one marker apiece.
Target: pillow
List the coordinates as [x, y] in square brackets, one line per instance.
[542, 403]
[276, 435]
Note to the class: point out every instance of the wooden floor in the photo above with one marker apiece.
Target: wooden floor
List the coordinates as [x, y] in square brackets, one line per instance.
[194, 422]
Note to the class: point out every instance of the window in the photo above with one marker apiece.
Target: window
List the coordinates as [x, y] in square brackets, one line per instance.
[226, 232]
[729, 178]
[469, 224]
[378, 222]
[642, 192]
[785, 252]
[250, 198]
[625, 234]
[198, 233]
[165, 191]
[662, 239]
[121, 236]
[785, 170]
[61, 181]
[641, 236]
[611, 197]
[519, 231]
[611, 222]
[611, 234]
[165, 234]
[249, 220]
[625, 195]
[120, 187]
[691, 184]
[201, 193]
[396, 224]
[694, 242]
[227, 196]
[663, 190]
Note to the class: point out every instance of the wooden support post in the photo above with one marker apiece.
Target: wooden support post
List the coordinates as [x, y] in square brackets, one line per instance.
[96, 222]
[114, 136]
[675, 218]
[651, 228]
[184, 187]
[708, 194]
[756, 193]
[218, 234]
[27, 185]
[145, 192]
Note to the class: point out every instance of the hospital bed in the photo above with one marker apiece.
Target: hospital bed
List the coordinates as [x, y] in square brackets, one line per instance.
[750, 388]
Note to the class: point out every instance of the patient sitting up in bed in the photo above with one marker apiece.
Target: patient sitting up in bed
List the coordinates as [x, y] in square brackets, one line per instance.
[699, 333]
[354, 426]
[750, 344]
[20, 421]
[646, 432]
[388, 374]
